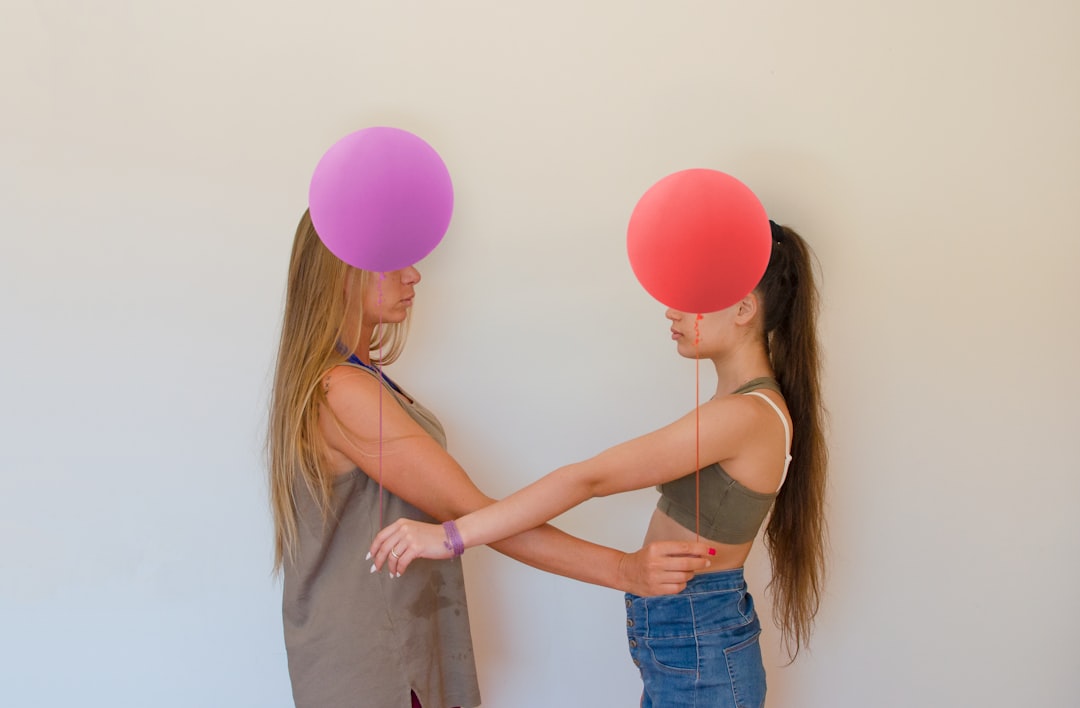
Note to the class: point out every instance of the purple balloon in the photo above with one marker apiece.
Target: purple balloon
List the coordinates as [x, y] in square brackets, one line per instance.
[381, 199]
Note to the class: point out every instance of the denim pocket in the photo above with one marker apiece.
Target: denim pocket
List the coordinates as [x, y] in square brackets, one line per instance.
[747, 672]
[746, 606]
[678, 654]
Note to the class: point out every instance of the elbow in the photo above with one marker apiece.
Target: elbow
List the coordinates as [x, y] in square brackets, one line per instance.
[587, 481]
[599, 490]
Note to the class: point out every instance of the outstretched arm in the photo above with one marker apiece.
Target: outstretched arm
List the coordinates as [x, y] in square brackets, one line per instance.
[660, 568]
[660, 456]
[417, 469]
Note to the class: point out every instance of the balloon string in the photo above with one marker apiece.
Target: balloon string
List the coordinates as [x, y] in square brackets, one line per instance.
[697, 430]
[378, 370]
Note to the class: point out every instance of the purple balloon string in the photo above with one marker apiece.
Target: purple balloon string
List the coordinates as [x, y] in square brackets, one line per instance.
[378, 370]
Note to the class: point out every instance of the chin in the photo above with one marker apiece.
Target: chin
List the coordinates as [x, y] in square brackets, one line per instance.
[691, 352]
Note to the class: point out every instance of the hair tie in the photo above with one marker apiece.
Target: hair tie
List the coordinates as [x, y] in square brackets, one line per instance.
[777, 231]
[453, 540]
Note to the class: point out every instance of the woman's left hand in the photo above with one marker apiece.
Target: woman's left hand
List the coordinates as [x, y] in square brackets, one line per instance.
[663, 567]
[401, 542]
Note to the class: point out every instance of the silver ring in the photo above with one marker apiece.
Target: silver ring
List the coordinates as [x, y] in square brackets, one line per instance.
[394, 553]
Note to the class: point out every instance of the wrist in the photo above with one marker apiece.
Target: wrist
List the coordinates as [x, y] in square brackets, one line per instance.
[621, 580]
[453, 541]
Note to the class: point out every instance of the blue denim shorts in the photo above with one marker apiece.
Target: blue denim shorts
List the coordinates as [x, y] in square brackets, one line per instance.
[700, 647]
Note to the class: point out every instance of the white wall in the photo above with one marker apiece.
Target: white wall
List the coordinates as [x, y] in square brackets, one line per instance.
[154, 159]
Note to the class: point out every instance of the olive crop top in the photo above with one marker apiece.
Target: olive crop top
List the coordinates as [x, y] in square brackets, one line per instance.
[730, 513]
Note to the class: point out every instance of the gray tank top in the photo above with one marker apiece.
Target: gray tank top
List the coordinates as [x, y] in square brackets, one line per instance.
[730, 513]
[356, 638]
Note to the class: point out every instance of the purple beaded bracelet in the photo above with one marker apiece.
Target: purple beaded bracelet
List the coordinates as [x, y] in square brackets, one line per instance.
[453, 541]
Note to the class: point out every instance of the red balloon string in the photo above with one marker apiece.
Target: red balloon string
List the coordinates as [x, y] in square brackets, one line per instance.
[378, 370]
[697, 430]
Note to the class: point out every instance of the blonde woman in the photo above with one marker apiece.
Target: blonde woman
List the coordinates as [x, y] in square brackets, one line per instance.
[338, 426]
[761, 448]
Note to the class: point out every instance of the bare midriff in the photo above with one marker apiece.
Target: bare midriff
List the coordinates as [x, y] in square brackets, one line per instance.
[663, 528]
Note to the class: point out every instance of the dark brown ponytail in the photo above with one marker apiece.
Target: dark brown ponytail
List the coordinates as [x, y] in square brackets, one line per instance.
[796, 532]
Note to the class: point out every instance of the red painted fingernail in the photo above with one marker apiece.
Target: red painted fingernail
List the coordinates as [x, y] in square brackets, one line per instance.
[712, 551]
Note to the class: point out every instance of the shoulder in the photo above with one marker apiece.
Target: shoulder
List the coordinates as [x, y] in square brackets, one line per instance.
[351, 391]
[756, 439]
[738, 424]
[770, 403]
[747, 406]
[734, 413]
[343, 384]
[357, 398]
[343, 379]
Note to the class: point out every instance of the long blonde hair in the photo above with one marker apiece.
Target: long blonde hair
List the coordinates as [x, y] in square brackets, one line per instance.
[316, 319]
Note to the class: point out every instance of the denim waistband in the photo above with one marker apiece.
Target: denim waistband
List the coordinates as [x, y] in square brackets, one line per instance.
[711, 602]
[720, 580]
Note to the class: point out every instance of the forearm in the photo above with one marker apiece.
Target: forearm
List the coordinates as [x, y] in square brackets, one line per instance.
[658, 568]
[527, 508]
[549, 549]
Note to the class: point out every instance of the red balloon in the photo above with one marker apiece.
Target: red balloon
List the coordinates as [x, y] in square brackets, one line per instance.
[699, 241]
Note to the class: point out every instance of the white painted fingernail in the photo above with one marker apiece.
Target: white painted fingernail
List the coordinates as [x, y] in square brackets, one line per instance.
[399, 575]
[372, 568]
[368, 556]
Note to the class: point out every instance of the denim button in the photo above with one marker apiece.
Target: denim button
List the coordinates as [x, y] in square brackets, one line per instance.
[637, 663]
[629, 623]
[633, 643]
[628, 603]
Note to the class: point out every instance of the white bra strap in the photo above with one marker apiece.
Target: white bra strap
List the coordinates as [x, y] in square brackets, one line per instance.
[787, 432]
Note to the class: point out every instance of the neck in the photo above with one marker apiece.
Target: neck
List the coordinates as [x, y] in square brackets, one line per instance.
[362, 353]
[735, 368]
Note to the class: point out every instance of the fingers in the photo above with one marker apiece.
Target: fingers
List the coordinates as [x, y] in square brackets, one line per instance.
[390, 548]
[670, 586]
[403, 541]
[397, 564]
[698, 549]
[681, 555]
[680, 567]
[672, 564]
